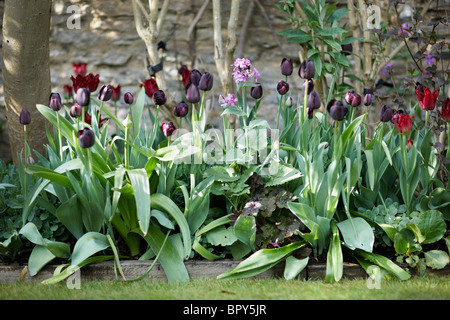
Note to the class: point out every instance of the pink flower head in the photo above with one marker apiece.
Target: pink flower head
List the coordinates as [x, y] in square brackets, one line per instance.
[243, 70]
[229, 100]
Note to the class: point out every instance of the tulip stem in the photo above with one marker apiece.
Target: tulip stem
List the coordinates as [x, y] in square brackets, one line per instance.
[59, 137]
[126, 147]
[305, 102]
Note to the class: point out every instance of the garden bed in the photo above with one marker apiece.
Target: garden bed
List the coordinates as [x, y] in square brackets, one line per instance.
[196, 268]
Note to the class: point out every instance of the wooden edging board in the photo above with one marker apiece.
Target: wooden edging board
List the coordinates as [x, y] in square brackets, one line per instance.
[196, 269]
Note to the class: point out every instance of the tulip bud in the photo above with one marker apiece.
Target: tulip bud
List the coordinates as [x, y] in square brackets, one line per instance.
[289, 102]
[194, 77]
[192, 93]
[282, 87]
[386, 113]
[368, 99]
[128, 98]
[127, 122]
[24, 117]
[55, 101]
[256, 92]
[286, 67]
[307, 70]
[310, 85]
[168, 128]
[347, 49]
[206, 82]
[159, 98]
[356, 101]
[105, 93]
[313, 100]
[76, 110]
[30, 160]
[181, 110]
[86, 137]
[337, 110]
[83, 96]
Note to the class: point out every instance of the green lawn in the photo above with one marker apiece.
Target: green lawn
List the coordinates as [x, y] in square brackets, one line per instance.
[430, 288]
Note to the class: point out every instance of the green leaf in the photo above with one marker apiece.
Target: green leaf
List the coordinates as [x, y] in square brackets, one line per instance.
[285, 173]
[261, 261]
[39, 258]
[335, 259]
[141, 187]
[436, 259]
[331, 31]
[221, 236]
[69, 214]
[89, 244]
[170, 259]
[385, 263]
[357, 234]
[165, 204]
[245, 229]
[432, 226]
[138, 110]
[294, 266]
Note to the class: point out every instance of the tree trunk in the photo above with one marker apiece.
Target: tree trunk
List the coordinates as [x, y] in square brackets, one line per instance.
[26, 70]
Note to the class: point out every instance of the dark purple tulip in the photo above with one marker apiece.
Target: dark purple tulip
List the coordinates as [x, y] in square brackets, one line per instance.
[313, 101]
[83, 96]
[282, 87]
[24, 117]
[159, 98]
[356, 101]
[168, 128]
[310, 84]
[76, 110]
[194, 77]
[105, 93]
[256, 92]
[128, 98]
[367, 99]
[206, 82]
[347, 49]
[55, 101]
[310, 112]
[337, 110]
[286, 67]
[192, 93]
[307, 70]
[352, 98]
[86, 137]
[181, 110]
[386, 113]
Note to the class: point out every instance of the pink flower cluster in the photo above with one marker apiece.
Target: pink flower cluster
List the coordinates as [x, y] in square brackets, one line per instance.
[229, 100]
[243, 69]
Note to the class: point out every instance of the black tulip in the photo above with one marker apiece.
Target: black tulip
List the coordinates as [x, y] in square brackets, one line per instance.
[337, 110]
[367, 99]
[256, 92]
[25, 117]
[386, 113]
[347, 49]
[313, 101]
[105, 93]
[181, 110]
[159, 98]
[83, 96]
[86, 137]
[76, 110]
[206, 82]
[168, 128]
[128, 98]
[194, 77]
[192, 93]
[286, 67]
[282, 87]
[55, 101]
[310, 85]
[307, 70]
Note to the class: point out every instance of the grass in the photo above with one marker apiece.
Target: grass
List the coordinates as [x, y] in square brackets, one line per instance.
[429, 288]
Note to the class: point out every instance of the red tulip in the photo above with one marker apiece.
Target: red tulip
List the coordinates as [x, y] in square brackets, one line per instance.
[184, 72]
[403, 122]
[116, 93]
[445, 113]
[427, 99]
[90, 82]
[79, 69]
[88, 119]
[168, 128]
[150, 86]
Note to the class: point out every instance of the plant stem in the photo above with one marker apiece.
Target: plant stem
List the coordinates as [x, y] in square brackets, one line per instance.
[59, 138]
[305, 102]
